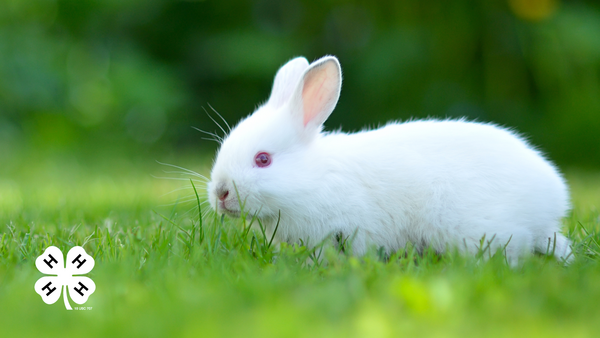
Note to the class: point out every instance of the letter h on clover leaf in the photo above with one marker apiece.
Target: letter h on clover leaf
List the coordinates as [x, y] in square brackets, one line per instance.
[51, 262]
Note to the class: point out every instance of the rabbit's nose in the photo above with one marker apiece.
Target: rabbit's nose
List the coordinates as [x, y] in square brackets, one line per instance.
[222, 193]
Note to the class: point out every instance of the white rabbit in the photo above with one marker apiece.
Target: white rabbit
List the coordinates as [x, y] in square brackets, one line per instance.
[439, 183]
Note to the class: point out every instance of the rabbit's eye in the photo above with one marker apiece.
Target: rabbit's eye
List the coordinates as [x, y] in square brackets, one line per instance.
[262, 159]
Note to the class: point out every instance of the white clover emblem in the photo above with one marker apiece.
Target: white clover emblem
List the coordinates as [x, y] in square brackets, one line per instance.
[51, 262]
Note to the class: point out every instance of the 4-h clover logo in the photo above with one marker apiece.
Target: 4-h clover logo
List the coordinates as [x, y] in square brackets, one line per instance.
[51, 262]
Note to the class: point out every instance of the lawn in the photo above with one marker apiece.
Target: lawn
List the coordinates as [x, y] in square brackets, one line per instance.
[162, 271]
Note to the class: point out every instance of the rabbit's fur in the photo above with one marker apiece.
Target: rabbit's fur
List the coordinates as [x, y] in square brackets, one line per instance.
[437, 183]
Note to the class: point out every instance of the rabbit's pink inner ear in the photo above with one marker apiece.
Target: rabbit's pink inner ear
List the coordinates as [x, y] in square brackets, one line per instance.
[320, 92]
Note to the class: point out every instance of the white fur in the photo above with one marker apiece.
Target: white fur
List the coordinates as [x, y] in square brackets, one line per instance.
[433, 183]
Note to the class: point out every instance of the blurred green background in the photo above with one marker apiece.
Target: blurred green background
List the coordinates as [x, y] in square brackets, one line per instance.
[131, 77]
[93, 91]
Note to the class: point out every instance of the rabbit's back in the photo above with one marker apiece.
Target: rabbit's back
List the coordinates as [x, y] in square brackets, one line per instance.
[445, 182]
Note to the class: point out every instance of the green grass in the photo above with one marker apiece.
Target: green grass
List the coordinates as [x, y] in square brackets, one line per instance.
[161, 272]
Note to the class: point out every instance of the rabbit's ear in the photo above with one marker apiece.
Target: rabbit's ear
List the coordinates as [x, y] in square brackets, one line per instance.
[318, 92]
[286, 81]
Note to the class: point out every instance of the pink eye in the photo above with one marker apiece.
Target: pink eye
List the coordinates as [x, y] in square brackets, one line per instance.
[262, 159]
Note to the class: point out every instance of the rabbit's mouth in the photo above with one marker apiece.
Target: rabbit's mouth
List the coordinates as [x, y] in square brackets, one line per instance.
[222, 205]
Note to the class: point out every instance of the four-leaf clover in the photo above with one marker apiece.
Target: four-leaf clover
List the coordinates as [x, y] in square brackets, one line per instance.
[51, 262]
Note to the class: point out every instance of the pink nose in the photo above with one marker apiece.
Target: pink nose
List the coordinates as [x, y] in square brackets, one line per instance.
[222, 194]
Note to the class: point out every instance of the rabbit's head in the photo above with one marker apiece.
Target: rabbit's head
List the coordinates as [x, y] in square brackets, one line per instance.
[263, 157]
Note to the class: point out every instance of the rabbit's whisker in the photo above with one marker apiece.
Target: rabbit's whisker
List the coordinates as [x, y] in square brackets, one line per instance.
[186, 173]
[219, 115]
[216, 137]
[215, 121]
[178, 202]
[177, 179]
[174, 191]
[182, 168]
[211, 139]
